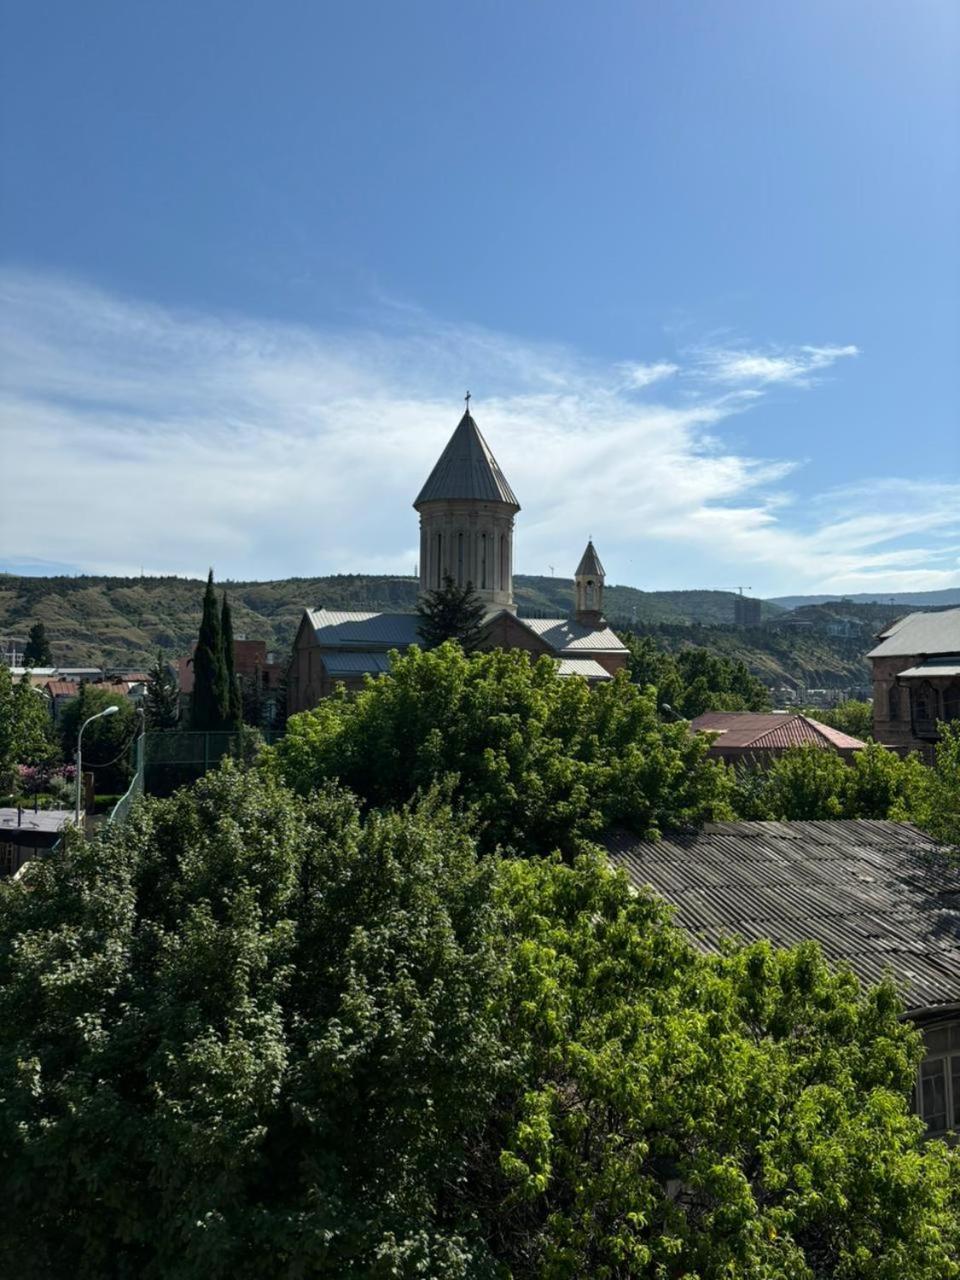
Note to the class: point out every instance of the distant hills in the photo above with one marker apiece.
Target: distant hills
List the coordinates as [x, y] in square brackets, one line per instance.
[914, 599]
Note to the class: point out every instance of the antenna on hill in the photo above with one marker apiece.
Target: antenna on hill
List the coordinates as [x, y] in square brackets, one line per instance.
[551, 568]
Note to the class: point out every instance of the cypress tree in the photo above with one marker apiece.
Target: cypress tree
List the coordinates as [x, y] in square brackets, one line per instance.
[234, 704]
[37, 652]
[210, 704]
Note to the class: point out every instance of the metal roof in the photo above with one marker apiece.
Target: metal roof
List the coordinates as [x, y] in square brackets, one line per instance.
[335, 629]
[589, 668]
[770, 730]
[879, 895]
[42, 820]
[920, 633]
[590, 566]
[566, 635]
[355, 664]
[946, 666]
[467, 469]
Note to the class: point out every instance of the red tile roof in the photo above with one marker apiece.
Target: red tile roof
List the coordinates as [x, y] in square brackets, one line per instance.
[771, 730]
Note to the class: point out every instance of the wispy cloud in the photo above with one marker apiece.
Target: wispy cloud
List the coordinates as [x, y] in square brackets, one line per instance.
[170, 440]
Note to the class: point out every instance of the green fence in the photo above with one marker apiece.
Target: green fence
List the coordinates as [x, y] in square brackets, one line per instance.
[174, 758]
[124, 804]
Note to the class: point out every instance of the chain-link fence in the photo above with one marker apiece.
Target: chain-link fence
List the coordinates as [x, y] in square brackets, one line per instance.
[135, 789]
[173, 758]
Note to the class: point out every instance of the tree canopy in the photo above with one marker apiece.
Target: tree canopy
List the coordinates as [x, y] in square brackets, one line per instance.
[254, 1034]
[26, 731]
[162, 698]
[37, 651]
[541, 760]
[107, 742]
[210, 701]
[451, 613]
[694, 680]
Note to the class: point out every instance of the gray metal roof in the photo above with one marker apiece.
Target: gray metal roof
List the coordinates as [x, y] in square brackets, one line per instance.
[920, 633]
[590, 566]
[351, 663]
[947, 666]
[566, 635]
[879, 895]
[42, 820]
[589, 668]
[468, 470]
[340, 629]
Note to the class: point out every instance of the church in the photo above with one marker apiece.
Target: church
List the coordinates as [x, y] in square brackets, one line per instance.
[467, 511]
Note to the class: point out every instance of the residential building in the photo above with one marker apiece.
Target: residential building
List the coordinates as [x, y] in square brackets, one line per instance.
[746, 611]
[761, 736]
[60, 693]
[916, 679]
[467, 511]
[880, 897]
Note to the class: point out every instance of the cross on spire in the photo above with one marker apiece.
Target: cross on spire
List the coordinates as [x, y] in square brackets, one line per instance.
[467, 401]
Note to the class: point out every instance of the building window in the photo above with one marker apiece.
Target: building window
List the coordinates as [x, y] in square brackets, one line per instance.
[483, 561]
[459, 559]
[893, 702]
[951, 702]
[504, 564]
[938, 1083]
[439, 561]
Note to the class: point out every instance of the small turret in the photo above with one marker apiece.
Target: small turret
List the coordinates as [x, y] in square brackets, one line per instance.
[589, 585]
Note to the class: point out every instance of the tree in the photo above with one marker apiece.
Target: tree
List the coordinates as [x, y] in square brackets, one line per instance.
[162, 698]
[852, 717]
[249, 1034]
[694, 680]
[210, 703]
[234, 701]
[542, 761]
[451, 613]
[37, 652]
[936, 801]
[107, 742]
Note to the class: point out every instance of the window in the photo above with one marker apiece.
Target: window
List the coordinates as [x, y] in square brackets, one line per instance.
[938, 1084]
[504, 564]
[459, 559]
[483, 561]
[439, 561]
[893, 702]
[951, 702]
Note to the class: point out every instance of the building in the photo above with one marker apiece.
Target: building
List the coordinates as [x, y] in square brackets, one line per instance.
[761, 736]
[467, 511]
[878, 896]
[916, 679]
[60, 693]
[261, 680]
[26, 832]
[746, 611]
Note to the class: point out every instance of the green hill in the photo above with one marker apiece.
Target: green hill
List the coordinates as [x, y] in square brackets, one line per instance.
[123, 621]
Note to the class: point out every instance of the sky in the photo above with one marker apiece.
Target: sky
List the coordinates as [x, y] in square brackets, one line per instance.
[698, 264]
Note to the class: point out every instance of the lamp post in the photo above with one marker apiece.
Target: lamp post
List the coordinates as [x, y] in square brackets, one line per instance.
[107, 711]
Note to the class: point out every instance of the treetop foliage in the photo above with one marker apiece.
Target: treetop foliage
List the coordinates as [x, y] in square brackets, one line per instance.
[694, 680]
[451, 613]
[539, 761]
[37, 652]
[251, 1033]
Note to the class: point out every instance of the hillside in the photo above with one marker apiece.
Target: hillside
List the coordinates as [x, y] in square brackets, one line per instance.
[907, 599]
[123, 621]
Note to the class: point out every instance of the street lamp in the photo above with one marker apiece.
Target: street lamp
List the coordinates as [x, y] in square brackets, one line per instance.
[107, 711]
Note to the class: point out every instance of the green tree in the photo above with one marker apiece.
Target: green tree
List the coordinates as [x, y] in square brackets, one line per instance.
[694, 680]
[107, 742]
[37, 652]
[880, 784]
[650, 666]
[542, 760]
[249, 1034]
[234, 700]
[34, 741]
[210, 702]
[451, 613]
[935, 805]
[806, 783]
[852, 717]
[162, 698]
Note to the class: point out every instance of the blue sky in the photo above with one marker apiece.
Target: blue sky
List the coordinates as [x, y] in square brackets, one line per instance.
[698, 262]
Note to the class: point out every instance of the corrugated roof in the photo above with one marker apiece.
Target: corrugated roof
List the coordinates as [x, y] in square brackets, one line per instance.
[42, 820]
[355, 664]
[467, 469]
[590, 565]
[62, 688]
[566, 635]
[767, 730]
[879, 895]
[336, 629]
[920, 633]
[589, 668]
[948, 666]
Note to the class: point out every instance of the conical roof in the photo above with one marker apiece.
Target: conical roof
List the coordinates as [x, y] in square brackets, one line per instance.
[467, 469]
[590, 566]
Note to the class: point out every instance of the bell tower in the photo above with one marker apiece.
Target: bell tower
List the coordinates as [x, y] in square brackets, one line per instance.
[466, 513]
[589, 580]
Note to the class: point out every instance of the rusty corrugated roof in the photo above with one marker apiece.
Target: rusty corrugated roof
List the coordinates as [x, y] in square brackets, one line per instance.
[766, 730]
[881, 896]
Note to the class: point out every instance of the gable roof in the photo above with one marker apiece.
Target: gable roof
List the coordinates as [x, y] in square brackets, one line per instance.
[590, 566]
[589, 668]
[62, 688]
[467, 469]
[766, 730]
[879, 895]
[567, 636]
[342, 629]
[920, 633]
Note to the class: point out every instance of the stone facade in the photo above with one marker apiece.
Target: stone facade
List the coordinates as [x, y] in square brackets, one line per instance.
[468, 542]
[916, 680]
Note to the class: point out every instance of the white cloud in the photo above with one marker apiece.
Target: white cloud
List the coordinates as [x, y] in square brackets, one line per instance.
[140, 436]
[724, 365]
[638, 376]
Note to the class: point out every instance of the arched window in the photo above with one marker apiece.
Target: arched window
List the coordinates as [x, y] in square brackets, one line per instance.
[459, 559]
[483, 561]
[589, 594]
[504, 564]
[893, 702]
[439, 561]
